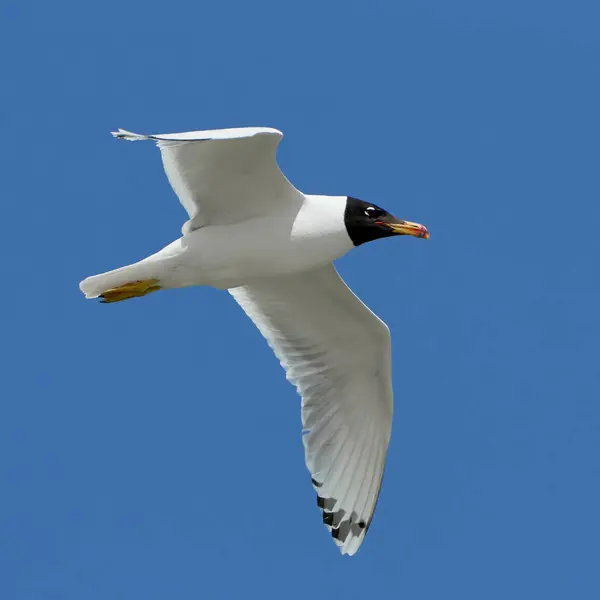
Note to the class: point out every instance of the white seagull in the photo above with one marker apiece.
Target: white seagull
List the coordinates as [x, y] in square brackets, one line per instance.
[250, 231]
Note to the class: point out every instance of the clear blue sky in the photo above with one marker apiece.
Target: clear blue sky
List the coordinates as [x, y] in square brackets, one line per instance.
[151, 449]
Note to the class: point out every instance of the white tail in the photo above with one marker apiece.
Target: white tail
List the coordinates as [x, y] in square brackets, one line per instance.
[96, 285]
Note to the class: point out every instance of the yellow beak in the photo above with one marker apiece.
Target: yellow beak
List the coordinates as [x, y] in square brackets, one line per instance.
[408, 228]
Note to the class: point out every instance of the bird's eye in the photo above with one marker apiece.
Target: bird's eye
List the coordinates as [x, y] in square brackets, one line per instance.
[372, 212]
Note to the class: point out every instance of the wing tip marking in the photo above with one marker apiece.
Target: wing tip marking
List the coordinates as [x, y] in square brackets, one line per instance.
[346, 530]
[123, 134]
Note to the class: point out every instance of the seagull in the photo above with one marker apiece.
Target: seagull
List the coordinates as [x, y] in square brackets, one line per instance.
[251, 232]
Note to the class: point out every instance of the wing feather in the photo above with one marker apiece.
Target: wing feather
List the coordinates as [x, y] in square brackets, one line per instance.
[337, 353]
[223, 176]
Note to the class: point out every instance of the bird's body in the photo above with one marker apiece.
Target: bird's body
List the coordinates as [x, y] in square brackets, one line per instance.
[251, 232]
[230, 255]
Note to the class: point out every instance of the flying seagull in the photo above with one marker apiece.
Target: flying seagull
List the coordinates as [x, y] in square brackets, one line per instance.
[250, 231]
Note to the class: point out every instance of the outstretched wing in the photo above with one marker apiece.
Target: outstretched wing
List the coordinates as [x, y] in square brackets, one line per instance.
[337, 353]
[223, 176]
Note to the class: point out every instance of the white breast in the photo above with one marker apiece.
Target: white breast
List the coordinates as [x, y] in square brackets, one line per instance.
[226, 256]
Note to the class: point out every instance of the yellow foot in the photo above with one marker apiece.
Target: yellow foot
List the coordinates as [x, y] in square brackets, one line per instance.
[133, 289]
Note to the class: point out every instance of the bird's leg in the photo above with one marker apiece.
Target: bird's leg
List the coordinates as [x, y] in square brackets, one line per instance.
[133, 289]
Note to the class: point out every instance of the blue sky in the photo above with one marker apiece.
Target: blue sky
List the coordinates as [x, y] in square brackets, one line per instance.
[151, 449]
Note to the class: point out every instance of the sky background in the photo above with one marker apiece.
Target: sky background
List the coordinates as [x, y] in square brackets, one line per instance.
[151, 449]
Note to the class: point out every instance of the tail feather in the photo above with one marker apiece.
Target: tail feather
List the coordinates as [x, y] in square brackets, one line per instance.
[96, 285]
